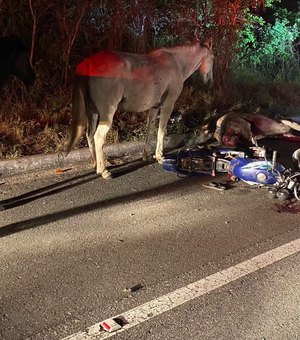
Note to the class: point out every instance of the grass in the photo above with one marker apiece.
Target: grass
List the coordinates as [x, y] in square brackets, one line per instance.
[28, 128]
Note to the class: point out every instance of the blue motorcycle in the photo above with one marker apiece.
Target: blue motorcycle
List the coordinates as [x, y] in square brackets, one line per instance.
[253, 166]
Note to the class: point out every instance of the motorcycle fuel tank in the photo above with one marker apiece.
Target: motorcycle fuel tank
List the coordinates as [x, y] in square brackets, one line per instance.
[255, 172]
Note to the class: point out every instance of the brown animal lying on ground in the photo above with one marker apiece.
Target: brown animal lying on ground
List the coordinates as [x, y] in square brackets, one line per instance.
[238, 128]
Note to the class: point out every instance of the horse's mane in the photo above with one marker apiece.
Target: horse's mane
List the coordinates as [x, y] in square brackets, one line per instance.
[181, 47]
[187, 47]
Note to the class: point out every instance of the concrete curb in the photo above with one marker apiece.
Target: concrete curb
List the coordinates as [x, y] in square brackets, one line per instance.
[52, 161]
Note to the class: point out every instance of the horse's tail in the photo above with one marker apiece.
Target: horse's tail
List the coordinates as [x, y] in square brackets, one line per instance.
[79, 117]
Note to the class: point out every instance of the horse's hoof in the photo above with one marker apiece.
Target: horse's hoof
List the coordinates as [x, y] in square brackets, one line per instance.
[106, 174]
[160, 160]
[93, 164]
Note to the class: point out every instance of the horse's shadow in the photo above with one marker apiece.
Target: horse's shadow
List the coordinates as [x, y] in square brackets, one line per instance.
[116, 171]
[121, 170]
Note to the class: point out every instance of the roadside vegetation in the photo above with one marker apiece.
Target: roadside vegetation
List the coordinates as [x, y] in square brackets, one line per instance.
[257, 62]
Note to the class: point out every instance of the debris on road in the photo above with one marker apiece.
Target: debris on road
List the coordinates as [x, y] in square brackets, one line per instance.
[134, 288]
[111, 325]
[62, 171]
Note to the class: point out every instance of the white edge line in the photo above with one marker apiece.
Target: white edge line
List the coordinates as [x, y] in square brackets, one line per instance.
[192, 291]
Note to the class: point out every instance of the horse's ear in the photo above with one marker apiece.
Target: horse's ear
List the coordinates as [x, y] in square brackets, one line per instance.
[209, 43]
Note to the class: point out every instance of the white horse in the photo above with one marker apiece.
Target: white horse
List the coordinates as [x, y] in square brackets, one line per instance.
[108, 81]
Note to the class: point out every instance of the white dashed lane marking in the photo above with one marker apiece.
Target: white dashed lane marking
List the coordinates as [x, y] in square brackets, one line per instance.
[192, 291]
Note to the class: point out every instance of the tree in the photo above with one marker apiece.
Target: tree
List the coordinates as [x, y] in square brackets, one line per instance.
[268, 45]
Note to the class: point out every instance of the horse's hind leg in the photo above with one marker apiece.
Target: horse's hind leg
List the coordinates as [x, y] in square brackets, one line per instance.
[147, 155]
[165, 113]
[100, 136]
[290, 124]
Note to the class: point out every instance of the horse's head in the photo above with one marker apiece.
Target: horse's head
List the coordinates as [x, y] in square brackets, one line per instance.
[207, 63]
[16, 60]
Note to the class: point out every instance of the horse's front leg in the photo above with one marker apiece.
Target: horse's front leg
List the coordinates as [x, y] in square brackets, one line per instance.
[100, 137]
[165, 113]
[147, 154]
[91, 129]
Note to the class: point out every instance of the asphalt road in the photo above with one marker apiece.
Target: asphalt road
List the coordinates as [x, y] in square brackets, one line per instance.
[73, 244]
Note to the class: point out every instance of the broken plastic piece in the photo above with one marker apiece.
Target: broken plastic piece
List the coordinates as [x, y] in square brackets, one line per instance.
[110, 325]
